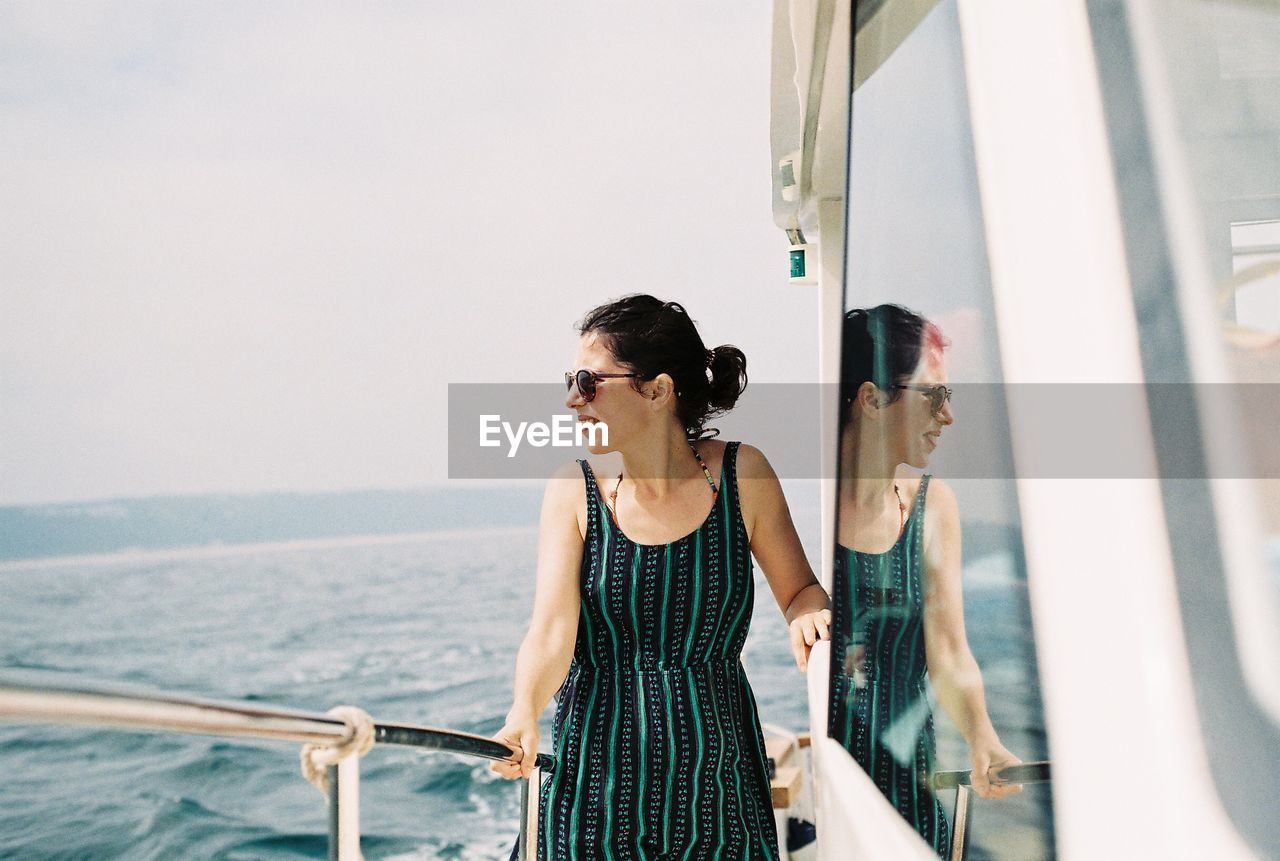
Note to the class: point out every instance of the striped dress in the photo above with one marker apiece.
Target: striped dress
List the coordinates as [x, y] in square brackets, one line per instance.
[658, 748]
[879, 703]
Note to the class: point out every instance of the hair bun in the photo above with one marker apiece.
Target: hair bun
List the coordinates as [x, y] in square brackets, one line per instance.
[728, 367]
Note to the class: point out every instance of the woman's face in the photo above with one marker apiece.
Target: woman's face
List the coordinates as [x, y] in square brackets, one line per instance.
[911, 420]
[616, 403]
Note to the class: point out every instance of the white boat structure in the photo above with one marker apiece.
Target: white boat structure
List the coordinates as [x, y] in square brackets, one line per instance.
[1121, 162]
[1124, 159]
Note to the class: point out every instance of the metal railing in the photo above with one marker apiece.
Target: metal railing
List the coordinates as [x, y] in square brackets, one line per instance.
[42, 698]
[1024, 773]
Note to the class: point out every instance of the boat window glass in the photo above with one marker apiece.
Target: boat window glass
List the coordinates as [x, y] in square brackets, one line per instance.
[915, 238]
[1249, 322]
[1196, 84]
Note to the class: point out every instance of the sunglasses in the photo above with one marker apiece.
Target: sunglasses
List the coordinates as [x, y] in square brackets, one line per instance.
[587, 381]
[938, 395]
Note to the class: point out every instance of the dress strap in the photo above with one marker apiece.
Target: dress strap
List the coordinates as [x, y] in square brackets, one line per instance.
[594, 500]
[915, 520]
[924, 488]
[729, 481]
[729, 469]
[593, 488]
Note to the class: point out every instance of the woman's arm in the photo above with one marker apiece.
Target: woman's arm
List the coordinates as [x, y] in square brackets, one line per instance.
[776, 546]
[952, 668]
[547, 650]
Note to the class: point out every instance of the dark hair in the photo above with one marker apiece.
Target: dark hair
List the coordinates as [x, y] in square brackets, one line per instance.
[883, 345]
[652, 337]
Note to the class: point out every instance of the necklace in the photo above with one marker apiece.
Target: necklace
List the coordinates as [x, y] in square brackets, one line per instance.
[715, 491]
[902, 511]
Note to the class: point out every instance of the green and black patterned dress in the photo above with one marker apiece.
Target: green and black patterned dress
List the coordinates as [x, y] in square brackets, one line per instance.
[658, 748]
[880, 707]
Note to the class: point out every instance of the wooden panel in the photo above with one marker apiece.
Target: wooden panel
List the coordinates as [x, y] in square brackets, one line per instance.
[778, 749]
[785, 786]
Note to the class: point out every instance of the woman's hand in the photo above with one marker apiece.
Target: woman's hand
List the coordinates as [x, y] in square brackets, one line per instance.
[988, 757]
[521, 733]
[805, 630]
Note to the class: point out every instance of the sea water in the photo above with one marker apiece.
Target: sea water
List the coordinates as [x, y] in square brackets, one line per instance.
[419, 629]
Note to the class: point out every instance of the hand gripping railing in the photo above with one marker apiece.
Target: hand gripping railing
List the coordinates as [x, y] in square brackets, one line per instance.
[39, 697]
[1024, 772]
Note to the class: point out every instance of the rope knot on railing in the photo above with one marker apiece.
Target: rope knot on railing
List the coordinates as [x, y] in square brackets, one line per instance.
[316, 758]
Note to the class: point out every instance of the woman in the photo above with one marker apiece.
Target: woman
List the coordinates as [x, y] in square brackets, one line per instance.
[644, 595]
[899, 613]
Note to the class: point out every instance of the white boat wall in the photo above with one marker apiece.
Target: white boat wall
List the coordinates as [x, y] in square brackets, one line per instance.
[809, 143]
[854, 819]
[1109, 139]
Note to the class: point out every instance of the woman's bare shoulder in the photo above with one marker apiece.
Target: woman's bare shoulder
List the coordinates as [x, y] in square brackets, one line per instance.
[940, 496]
[565, 500]
[565, 487]
[941, 515]
[752, 463]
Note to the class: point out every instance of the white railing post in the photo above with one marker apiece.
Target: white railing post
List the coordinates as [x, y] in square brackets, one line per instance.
[960, 824]
[530, 792]
[344, 810]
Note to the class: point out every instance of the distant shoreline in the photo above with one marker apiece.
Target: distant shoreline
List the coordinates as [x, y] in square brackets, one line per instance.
[133, 528]
[213, 551]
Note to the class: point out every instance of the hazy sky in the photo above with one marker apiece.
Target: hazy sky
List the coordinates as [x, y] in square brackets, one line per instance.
[246, 246]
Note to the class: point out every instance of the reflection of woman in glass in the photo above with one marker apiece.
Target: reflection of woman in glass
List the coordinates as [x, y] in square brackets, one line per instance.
[898, 608]
[644, 597]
